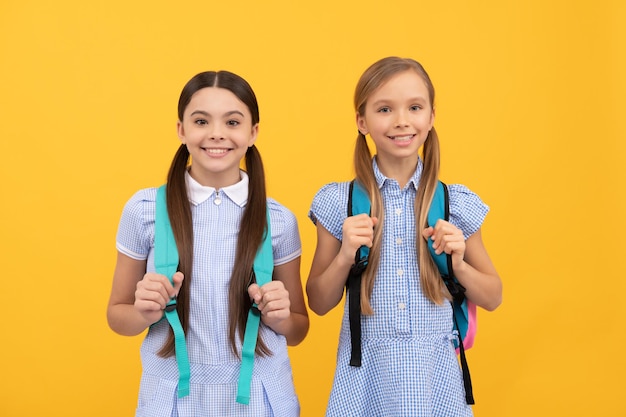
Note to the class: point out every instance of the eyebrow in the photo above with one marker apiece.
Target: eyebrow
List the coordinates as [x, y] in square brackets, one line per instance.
[416, 99]
[227, 114]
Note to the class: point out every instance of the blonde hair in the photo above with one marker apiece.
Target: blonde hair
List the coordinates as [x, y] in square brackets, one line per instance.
[372, 79]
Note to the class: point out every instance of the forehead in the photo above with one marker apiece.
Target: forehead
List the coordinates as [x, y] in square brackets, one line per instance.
[405, 85]
[216, 100]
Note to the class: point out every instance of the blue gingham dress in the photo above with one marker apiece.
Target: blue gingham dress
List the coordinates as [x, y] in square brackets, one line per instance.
[214, 368]
[409, 366]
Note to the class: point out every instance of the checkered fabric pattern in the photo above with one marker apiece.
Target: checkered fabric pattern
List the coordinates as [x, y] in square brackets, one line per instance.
[409, 364]
[214, 369]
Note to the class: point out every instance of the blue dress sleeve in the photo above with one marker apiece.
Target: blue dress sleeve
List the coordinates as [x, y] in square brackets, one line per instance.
[286, 242]
[330, 208]
[135, 233]
[467, 210]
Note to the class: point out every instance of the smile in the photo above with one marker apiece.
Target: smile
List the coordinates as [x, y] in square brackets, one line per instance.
[216, 151]
[404, 138]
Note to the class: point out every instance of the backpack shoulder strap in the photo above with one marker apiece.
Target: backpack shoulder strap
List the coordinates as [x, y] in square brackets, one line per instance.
[262, 271]
[166, 263]
[440, 209]
[358, 202]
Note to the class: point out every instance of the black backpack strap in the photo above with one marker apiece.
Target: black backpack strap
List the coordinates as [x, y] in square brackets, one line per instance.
[354, 311]
[353, 288]
[467, 379]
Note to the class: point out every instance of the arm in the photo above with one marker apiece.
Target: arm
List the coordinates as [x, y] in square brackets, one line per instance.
[281, 303]
[137, 299]
[470, 262]
[478, 274]
[333, 259]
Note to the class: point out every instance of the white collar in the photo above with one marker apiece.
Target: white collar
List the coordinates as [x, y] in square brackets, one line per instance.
[199, 193]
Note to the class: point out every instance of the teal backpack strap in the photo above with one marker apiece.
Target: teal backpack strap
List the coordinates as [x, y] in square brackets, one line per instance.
[440, 209]
[166, 263]
[263, 269]
[358, 202]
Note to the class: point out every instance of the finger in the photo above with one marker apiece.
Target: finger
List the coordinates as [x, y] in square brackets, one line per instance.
[147, 305]
[274, 307]
[273, 298]
[178, 278]
[254, 291]
[153, 291]
[453, 243]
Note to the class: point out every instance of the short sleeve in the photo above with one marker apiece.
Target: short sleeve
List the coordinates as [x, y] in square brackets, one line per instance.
[286, 241]
[329, 207]
[135, 233]
[467, 210]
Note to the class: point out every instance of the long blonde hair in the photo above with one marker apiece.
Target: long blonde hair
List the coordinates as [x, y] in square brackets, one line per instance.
[372, 79]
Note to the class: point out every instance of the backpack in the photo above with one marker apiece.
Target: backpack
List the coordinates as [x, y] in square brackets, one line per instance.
[166, 263]
[463, 310]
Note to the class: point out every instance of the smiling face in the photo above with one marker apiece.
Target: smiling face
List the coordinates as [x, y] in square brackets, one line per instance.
[398, 116]
[217, 129]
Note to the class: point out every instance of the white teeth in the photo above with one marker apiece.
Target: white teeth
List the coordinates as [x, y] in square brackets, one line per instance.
[402, 138]
[217, 151]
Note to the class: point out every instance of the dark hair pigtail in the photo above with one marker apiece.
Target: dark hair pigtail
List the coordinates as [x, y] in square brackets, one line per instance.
[179, 211]
[252, 227]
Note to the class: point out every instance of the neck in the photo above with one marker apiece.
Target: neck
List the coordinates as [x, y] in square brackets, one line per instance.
[400, 170]
[216, 180]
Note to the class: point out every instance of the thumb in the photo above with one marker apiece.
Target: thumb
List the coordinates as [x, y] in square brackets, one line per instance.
[375, 221]
[254, 292]
[178, 278]
[428, 232]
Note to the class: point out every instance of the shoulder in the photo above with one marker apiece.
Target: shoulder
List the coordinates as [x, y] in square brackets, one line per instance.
[330, 198]
[467, 210]
[333, 190]
[280, 213]
[141, 206]
[141, 199]
[285, 234]
[330, 207]
[462, 197]
[135, 232]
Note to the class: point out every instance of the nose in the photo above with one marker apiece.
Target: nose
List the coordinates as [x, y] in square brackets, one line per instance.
[401, 119]
[216, 132]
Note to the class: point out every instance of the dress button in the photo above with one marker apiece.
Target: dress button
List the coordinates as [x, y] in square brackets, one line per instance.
[400, 272]
[398, 211]
[399, 241]
[401, 306]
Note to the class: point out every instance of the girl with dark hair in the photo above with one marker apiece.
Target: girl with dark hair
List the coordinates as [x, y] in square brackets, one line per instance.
[409, 366]
[218, 215]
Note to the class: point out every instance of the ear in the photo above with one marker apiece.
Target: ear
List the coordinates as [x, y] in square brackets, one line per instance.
[180, 130]
[361, 124]
[432, 119]
[253, 135]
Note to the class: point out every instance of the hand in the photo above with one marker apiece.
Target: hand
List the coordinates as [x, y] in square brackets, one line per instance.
[272, 300]
[357, 231]
[153, 293]
[445, 237]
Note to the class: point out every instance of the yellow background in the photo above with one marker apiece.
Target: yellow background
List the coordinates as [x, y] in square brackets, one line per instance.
[530, 103]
